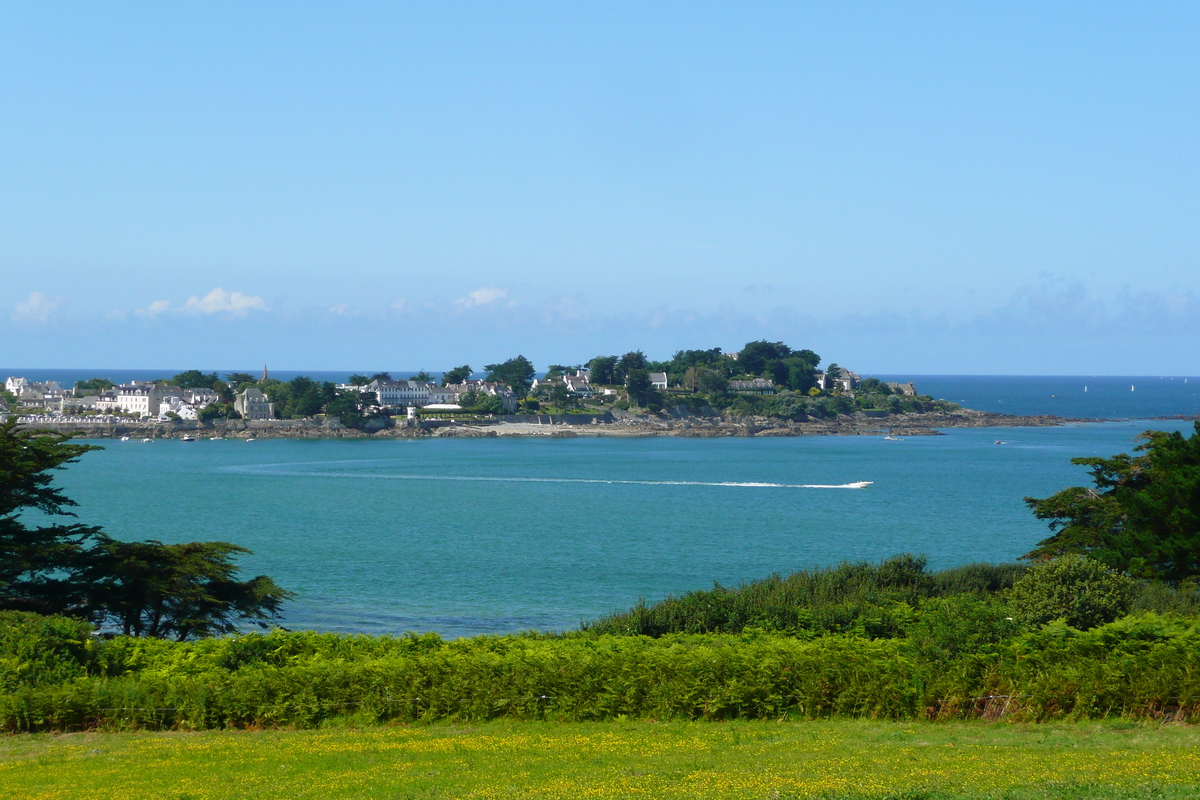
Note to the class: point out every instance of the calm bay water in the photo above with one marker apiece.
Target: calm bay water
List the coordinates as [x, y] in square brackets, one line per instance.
[493, 535]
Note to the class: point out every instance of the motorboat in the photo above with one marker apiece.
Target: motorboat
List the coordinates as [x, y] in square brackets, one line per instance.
[124, 438]
[144, 441]
[891, 438]
[187, 438]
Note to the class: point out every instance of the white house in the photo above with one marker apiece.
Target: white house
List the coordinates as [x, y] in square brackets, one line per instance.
[658, 380]
[174, 404]
[846, 380]
[579, 384]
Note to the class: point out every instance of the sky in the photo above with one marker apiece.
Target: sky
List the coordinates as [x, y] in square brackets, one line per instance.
[931, 188]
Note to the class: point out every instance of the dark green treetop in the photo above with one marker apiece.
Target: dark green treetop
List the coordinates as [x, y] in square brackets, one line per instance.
[456, 375]
[195, 379]
[1142, 517]
[92, 386]
[517, 373]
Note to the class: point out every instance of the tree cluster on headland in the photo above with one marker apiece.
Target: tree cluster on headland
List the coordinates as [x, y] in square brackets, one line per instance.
[1102, 619]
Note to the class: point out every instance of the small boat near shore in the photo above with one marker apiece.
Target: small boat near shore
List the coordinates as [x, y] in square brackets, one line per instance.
[187, 438]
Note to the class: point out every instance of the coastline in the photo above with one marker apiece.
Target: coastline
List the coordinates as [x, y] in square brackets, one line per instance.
[622, 425]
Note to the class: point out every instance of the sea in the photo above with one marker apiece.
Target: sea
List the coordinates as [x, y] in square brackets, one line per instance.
[490, 536]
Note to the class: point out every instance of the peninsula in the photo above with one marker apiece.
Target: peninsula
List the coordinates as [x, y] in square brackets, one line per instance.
[764, 389]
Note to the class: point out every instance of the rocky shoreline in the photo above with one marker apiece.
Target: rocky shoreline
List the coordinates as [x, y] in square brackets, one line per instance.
[613, 424]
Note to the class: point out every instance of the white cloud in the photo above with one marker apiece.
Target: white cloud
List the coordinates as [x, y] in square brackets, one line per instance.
[401, 307]
[481, 297]
[220, 301]
[154, 309]
[36, 308]
[341, 309]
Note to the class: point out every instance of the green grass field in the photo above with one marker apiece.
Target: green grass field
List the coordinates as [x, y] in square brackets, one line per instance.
[614, 760]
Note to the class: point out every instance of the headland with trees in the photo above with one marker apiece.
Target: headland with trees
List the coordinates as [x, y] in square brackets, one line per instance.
[766, 388]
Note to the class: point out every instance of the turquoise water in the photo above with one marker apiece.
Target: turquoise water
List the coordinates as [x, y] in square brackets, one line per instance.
[493, 535]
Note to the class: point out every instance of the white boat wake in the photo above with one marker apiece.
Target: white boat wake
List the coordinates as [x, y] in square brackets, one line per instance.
[275, 470]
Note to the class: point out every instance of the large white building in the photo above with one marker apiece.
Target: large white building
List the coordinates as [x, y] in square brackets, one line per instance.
[142, 398]
[397, 394]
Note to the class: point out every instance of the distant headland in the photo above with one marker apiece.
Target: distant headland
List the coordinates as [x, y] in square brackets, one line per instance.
[764, 389]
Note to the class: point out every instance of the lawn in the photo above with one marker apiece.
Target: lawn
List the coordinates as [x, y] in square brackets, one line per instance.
[615, 759]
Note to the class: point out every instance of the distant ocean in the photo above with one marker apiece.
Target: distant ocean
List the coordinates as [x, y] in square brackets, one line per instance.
[1078, 396]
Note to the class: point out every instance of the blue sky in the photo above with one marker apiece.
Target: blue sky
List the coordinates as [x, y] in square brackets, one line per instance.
[925, 188]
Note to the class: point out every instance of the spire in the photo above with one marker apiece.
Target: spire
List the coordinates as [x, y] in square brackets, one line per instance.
[264, 377]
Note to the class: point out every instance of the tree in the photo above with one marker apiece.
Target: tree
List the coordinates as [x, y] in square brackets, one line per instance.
[754, 356]
[195, 379]
[637, 383]
[178, 591]
[683, 360]
[559, 396]
[358, 379]
[387, 376]
[711, 381]
[874, 386]
[420, 377]
[516, 373]
[216, 411]
[92, 386]
[236, 379]
[456, 375]
[632, 360]
[149, 588]
[37, 563]
[354, 408]
[1142, 517]
[603, 370]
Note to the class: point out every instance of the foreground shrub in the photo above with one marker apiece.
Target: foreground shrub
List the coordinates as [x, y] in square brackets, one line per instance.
[959, 662]
[852, 597]
[37, 650]
[1083, 592]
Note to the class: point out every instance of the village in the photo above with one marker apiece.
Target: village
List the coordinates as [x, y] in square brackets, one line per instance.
[162, 401]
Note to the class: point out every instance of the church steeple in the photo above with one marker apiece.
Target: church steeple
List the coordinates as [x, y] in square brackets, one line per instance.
[264, 377]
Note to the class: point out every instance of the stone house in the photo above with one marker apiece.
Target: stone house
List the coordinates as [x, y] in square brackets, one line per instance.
[253, 404]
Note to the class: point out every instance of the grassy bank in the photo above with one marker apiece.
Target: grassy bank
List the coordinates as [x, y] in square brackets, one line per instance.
[616, 759]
